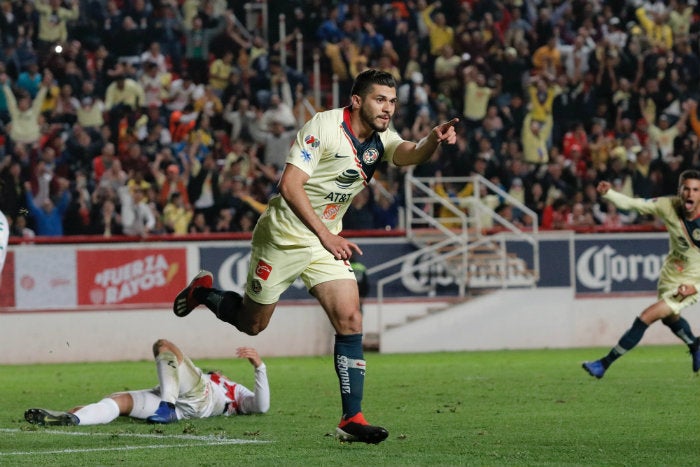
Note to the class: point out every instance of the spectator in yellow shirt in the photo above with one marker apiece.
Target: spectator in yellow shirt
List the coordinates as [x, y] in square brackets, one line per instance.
[534, 137]
[53, 17]
[547, 58]
[176, 215]
[477, 95]
[439, 32]
[24, 113]
[656, 27]
[219, 71]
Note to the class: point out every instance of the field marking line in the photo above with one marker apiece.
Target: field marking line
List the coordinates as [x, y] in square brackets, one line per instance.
[210, 440]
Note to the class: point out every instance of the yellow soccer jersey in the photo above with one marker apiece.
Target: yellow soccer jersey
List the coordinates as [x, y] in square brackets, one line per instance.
[339, 167]
[682, 265]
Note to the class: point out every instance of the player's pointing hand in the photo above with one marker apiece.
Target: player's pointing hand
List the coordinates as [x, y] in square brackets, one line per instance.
[445, 132]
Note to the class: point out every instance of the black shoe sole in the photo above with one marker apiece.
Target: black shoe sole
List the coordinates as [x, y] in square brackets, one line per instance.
[364, 434]
[47, 418]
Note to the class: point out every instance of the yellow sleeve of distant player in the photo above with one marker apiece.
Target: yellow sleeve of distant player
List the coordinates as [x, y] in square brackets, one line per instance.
[643, 206]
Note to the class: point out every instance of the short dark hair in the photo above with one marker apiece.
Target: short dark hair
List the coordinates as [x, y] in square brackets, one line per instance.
[690, 174]
[368, 78]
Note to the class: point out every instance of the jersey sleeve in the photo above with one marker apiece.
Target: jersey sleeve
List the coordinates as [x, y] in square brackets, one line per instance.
[655, 206]
[305, 152]
[257, 401]
[391, 141]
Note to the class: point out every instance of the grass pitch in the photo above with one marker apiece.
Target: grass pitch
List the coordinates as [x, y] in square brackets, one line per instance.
[506, 408]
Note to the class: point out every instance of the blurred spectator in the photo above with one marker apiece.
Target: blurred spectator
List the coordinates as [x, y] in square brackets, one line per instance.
[53, 19]
[183, 91]
[124, 93]
[136, 216]
[385, 208]
[439, 32]
[47, 217]
[579, 217]
[446, 71]
[219, 71]
[103, 161]
[197, 40]
[611, 217]
[176, 215]
[9, 24]
[24, 126]
[154, 55]
[275, 141]
[77, 218]
[209, 104]
[169, 182]
[199, 224]
[654, 22]
[66, 110]
[241, 116]
[663, 136]
[477, 95]
[12, 196]
[154, 84]
[359, 214]
[19, 229]
[279, 110]
[547, 57]
[203, 186]
[114, 177]
[30, 79]
[535, 138]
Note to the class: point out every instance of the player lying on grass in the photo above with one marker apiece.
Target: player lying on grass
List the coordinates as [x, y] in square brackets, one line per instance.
[679, 281]
[185, 391]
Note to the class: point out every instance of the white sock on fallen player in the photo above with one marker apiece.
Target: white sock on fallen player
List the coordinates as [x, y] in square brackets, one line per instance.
[166, 366]
[98, 413]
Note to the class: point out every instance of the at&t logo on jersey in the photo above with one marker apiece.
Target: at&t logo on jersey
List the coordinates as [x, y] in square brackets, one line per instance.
[347, 178]
[311, 140]
[370, 156]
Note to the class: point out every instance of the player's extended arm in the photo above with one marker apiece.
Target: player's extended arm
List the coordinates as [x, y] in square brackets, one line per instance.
[291, 188]
[642, 206]
[259, 402]
[409, 153]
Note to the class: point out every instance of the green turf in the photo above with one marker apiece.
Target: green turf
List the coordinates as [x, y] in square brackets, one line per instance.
[508, 408]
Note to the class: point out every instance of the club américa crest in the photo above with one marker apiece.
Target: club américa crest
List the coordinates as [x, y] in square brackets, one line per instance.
[370, 156]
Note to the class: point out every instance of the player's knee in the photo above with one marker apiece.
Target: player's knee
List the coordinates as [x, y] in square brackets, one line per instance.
[160, 345]
[253, 329]
[350, 323]
[253, 326]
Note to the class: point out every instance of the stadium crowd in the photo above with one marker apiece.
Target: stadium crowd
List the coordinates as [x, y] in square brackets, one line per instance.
[143, 117]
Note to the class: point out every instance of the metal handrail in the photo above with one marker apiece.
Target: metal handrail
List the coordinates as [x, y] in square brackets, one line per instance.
[458, 238]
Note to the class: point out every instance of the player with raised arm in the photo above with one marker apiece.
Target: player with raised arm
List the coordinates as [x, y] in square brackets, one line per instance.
[333, 157]
[185, 391]
[679, 280]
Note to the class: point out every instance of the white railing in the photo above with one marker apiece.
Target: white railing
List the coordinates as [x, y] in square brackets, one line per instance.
[466, 236]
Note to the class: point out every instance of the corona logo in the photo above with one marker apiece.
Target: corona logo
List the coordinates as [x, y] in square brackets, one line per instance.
[599, 267]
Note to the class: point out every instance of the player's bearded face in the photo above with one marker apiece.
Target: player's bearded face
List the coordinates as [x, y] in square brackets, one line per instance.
[376, 113]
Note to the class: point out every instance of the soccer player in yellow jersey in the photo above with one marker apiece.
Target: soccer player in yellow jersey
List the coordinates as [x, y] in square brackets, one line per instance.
[679, 281]
[333, 158]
